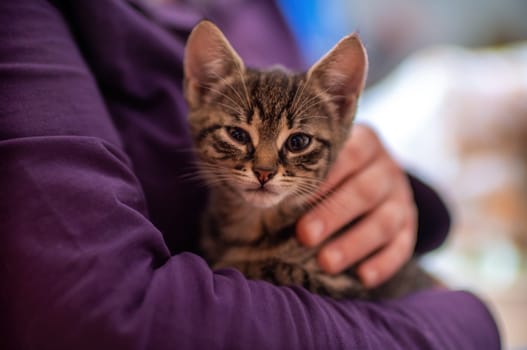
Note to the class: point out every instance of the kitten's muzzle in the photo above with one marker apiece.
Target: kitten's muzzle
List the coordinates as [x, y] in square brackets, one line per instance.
[264, 174]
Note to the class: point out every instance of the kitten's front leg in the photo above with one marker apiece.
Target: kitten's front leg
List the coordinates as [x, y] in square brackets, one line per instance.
[272, 270]
[280, 272]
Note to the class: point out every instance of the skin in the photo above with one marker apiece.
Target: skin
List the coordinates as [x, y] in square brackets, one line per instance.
[364, 182]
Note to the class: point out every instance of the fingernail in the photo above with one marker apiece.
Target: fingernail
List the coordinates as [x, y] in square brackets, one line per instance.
[315, 230]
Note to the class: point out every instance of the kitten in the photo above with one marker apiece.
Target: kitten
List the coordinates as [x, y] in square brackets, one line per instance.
[265, 140]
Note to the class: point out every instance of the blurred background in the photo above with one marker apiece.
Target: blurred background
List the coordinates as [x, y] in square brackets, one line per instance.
[447, 90]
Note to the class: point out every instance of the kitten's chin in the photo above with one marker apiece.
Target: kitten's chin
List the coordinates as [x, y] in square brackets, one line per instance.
[262, 198]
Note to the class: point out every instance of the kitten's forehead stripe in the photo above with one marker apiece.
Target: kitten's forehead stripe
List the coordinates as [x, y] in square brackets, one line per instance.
[249, 115]
[294, 85]
[203, 133]
[272, 93]
[273, 96]
[224, 147]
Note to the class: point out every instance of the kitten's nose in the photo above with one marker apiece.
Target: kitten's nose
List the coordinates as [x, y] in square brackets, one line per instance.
[264, 174]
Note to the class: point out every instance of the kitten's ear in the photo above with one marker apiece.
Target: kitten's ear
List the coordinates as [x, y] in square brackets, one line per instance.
[342, 72]
[209, 58]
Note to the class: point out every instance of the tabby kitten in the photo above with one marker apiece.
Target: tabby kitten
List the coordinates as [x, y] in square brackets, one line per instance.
[265, 140]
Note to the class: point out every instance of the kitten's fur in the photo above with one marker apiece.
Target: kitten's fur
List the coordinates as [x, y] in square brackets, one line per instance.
[250, 129]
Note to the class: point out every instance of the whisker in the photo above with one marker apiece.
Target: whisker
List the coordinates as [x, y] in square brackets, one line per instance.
[247, 98]
[309, 100]
[298, 98]
[306, 107]
[313, 117]
[228, 85]
[300, 88]
[312, 101]
[220, 93]
[325, 201]
[231, 108]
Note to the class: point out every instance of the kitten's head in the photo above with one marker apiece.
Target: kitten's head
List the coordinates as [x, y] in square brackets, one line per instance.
[268, 135]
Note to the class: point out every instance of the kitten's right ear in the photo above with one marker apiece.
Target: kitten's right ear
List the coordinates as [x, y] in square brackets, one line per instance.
[342, 73]
[209, 58]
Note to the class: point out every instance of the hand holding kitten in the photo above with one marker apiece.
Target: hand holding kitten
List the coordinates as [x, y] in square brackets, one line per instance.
[366, 183]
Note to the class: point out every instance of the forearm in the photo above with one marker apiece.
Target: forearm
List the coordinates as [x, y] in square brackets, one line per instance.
[89, 271]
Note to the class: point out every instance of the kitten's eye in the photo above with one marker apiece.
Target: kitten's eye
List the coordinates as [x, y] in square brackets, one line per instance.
[239, 135]
[298, 142]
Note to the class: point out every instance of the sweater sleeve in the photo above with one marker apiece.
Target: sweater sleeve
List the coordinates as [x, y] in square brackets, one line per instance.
[433, 217]
[83, 268]
[82, 264]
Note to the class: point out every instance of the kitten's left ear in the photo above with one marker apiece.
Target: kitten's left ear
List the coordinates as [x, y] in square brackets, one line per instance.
[342, 72]
[209, 59]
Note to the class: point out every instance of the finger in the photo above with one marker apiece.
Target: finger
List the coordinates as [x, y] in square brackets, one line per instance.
[360, 149]
[389, 260]
[352, 199]
[373, 232]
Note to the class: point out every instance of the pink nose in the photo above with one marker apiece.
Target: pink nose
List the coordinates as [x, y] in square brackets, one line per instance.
[264, 174]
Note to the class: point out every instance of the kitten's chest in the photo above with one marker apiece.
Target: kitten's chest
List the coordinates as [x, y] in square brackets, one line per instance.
[288, 251]
[249, 234]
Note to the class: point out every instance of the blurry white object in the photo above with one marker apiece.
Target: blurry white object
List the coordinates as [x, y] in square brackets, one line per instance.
[458, 119]
[439, 99]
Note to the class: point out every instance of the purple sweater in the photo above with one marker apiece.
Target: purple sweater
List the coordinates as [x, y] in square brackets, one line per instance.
[97, 227]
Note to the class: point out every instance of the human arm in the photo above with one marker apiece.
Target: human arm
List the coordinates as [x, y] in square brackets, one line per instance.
[83, 268]
[81, 264]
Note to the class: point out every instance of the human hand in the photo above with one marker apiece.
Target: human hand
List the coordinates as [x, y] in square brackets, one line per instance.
[364, 182]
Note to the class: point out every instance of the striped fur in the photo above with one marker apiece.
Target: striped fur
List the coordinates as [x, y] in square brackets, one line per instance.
[250, 129]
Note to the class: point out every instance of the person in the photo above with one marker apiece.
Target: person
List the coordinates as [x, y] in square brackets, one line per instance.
[98, 229]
